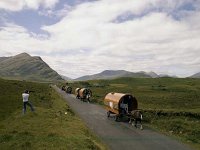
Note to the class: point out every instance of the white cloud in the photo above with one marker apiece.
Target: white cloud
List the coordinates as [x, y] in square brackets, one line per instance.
[17, 5]
[56, 13]
[87, 40]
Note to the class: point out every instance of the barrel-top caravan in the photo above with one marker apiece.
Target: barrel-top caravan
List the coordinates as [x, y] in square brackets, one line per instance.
[68, 89]
[120, 104]
[85, 94]
[77, 93]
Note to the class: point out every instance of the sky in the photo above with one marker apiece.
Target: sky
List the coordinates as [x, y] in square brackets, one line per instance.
[83, 37]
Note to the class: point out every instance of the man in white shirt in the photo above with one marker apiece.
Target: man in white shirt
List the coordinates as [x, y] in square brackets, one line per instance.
[25, 97]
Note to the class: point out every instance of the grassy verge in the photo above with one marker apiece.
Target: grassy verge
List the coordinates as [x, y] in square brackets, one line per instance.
[171, 106]
[184, 126]
[52, 126]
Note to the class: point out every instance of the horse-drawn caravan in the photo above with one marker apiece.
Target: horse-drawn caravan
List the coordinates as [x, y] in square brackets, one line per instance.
[67, 89]
[123, 105]
[83, 94]
[77, 93]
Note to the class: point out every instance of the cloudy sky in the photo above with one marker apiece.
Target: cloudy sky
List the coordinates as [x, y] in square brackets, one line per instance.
[79, 37]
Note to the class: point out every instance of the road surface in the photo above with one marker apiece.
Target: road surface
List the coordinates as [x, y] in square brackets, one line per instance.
[119, 135]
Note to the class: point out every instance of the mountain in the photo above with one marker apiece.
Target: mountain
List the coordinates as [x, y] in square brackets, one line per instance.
[152, 74]
[167, 76]
[26, 67]
[110, 74]
[197, 75]
[66, 78]
[3, 58]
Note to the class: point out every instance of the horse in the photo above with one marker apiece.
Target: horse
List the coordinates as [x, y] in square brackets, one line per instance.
[135, 117]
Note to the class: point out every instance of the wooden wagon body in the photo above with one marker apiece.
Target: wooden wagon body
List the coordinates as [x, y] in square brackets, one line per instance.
[77, 92]
[120, 104]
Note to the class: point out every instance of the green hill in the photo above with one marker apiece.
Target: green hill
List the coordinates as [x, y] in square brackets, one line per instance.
[170, 105]
[52, 126]
[152, 93]
[26, 67]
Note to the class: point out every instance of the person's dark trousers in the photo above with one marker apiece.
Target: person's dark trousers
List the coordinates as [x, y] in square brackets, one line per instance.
[29, 104]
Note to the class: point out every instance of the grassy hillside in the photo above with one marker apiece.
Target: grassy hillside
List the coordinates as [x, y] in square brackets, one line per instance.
[170, 105]
[52, 126]
[26, 67]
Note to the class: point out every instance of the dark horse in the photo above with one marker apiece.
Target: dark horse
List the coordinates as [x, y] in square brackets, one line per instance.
[136, 116]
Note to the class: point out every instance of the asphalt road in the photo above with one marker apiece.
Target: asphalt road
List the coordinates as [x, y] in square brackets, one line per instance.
[119, 135]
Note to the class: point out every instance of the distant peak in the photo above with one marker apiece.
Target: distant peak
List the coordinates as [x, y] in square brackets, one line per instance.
[23, 55]
[108, 71]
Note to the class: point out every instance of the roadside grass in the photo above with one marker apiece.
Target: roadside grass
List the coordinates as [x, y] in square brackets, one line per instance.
[52, 126]
[182, 125]
[170, 105]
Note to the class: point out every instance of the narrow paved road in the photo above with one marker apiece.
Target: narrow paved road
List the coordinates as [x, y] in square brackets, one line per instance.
[119, 135]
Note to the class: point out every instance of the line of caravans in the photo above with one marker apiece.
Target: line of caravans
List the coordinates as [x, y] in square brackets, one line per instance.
[119, 104]
[83, 94]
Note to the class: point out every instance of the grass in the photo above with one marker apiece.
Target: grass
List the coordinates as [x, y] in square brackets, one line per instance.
[170, 105]
[52, 126]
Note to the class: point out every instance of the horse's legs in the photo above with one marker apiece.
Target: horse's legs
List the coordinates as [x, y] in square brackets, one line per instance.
[136, 123]
[130, 121]
[141, 127]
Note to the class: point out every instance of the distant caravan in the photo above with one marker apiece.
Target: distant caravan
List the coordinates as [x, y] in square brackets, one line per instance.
[83, 94]
[123, 105]
[67, 89]
[77, 93]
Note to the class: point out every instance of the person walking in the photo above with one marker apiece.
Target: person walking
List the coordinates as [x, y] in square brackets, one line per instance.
[25, 97]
